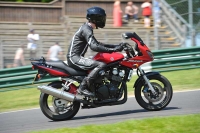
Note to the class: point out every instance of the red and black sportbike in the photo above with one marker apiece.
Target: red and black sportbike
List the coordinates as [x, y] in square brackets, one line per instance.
[60, 101]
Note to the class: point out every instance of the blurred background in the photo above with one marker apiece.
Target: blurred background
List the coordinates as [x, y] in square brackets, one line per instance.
[57, 21]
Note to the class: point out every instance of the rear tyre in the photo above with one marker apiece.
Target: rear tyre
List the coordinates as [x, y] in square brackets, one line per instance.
[150, 101]
[58, 109]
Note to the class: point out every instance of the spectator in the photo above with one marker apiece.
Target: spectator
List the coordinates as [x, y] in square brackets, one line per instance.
[32, 46]
[146, 6]
[19, 57]
[156, 9]
[54, 51]
[135, 12]
[129, 11]
[117, 14]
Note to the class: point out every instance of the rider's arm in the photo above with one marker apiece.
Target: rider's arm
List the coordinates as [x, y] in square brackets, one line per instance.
[109, 45]
[93, 43]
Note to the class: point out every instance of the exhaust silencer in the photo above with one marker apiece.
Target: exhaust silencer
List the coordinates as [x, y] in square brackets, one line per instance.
[57, 93]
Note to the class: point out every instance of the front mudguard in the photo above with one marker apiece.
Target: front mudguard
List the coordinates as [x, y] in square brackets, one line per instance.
[140, 78]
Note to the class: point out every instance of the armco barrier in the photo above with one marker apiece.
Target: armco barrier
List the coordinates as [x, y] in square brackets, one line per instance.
[12, 72]
[176, 59]
[20, 76]
[165, 60]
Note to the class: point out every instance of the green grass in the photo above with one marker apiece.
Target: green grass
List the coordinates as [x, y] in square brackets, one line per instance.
[29, 98]
[185, 79]
[180, 80]
[19, 99]
[172, 124]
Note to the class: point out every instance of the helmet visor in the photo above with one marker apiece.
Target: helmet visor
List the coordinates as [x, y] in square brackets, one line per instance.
[100, 21]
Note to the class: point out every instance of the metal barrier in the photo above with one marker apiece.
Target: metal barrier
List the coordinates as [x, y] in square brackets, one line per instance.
[165, 60]
[20, 76]
[176, 59]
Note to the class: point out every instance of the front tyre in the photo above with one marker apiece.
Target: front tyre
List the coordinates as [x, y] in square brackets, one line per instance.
[57, 109]
[150, 101]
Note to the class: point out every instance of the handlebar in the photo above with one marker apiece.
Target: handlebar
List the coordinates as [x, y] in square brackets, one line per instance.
[130, 51]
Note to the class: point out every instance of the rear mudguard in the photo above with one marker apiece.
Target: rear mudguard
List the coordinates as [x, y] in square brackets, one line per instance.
[140, 78]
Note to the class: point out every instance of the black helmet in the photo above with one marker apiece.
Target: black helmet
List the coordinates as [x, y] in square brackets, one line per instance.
[97, 16]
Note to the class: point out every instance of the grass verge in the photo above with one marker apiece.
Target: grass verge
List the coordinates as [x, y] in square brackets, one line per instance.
[29, 98]
[172, 124]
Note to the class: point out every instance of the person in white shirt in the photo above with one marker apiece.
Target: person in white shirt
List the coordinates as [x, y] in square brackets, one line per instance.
[19, 57]
[32, 46]
[54, 51]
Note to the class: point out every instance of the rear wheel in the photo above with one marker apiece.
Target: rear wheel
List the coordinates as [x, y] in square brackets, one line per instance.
[58, 109]
[160, 99]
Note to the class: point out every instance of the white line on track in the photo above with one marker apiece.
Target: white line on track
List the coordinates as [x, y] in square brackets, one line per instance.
[128, 96]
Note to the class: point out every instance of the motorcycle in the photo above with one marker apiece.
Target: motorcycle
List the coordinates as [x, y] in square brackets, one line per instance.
[59, 100]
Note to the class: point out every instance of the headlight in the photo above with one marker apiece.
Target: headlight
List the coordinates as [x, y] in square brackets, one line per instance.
[150, 54]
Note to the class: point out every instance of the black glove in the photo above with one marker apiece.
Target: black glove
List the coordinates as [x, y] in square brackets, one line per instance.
[123, 44]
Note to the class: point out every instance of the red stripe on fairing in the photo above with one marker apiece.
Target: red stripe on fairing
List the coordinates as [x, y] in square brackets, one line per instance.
[53, 72]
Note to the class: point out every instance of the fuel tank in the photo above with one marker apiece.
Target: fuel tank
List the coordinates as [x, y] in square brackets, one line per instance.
[108, 57]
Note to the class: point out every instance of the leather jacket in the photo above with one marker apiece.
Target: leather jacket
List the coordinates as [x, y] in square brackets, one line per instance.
[83, 39]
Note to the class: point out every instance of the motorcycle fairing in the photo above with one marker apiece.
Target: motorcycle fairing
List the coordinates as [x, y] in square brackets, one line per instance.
[138, 60]
[108, 57]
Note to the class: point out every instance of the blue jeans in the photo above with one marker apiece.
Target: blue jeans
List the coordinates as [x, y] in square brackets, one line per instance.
[129, 17]
[135, 16]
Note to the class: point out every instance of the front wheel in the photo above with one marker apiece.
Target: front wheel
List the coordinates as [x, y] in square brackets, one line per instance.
[157, 101]
[58, 109]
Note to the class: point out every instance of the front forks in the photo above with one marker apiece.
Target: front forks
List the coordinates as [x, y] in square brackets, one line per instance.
[146, 80]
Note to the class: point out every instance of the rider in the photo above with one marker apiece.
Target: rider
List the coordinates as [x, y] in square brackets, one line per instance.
[83, 39]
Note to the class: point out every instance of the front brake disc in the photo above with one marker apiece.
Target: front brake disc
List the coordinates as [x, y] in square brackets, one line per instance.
[159, 93]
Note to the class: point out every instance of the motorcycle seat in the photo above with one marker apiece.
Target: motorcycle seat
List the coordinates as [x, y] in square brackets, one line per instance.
[65, 67]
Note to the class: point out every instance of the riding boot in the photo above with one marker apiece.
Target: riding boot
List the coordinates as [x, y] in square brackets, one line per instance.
[83, 88]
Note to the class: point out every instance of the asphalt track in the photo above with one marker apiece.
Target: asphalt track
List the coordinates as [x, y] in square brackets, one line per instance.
[33, 119]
